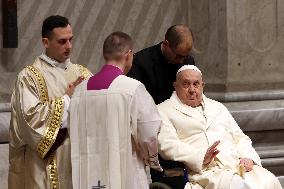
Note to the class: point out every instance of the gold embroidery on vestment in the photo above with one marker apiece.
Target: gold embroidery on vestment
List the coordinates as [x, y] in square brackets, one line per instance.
[41, 83]
[84, 71]
[52, 169]
[53, 127]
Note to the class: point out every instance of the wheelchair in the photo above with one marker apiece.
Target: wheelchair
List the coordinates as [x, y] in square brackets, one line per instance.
[167, 180]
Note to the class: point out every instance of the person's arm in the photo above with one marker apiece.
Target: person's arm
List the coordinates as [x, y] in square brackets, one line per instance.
[242, 141]
[39, 119]
[172, 148]
[144, 111]
[66, 99]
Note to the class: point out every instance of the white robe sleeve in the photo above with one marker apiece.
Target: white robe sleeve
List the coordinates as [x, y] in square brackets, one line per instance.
[242, 141]
[148, 126]
[172, 148]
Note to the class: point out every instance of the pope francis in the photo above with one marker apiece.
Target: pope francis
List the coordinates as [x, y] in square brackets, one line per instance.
[201, 133]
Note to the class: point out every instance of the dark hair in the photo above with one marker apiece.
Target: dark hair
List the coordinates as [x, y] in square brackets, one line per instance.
[176, 33]
[115, 44]
[52, 22]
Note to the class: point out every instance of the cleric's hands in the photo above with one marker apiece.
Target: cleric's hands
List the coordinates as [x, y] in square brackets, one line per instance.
[71, 86]
[154, 163]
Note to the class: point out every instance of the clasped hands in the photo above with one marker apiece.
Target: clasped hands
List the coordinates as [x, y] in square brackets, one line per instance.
[212, 151]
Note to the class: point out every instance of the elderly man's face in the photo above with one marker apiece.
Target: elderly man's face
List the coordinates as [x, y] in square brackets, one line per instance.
[189, 87]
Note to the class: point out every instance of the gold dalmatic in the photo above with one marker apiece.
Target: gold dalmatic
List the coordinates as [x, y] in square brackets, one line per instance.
[53, 127]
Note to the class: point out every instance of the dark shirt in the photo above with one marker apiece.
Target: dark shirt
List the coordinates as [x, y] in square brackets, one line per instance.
[155, 72]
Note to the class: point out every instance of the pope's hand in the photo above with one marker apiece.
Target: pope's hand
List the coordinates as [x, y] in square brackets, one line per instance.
[211, 152]
[247, 163]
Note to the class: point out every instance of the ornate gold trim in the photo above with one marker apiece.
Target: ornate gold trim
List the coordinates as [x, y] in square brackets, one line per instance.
[84, 71]
[52, 170]
[41, 82]
[53, 127]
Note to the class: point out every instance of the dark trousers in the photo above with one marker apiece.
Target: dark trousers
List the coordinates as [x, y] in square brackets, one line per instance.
[173, 182]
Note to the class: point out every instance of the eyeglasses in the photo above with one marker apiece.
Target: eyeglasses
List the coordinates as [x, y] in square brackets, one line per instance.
[178, 56]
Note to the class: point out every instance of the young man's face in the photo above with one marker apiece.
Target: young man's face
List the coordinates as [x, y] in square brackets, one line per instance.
[59, 44]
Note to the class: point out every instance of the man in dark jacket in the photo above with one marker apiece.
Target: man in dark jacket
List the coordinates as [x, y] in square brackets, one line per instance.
[156, 68]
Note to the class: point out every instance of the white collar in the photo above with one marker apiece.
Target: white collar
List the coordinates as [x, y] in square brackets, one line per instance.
[53, 62]
[176, 98]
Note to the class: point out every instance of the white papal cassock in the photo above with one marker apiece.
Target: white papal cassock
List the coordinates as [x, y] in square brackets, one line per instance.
[113, 134]
[188, 132]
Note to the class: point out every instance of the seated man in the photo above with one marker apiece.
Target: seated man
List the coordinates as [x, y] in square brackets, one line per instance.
[194, 126]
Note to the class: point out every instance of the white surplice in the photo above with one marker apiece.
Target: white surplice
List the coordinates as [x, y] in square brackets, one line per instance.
[113, 134]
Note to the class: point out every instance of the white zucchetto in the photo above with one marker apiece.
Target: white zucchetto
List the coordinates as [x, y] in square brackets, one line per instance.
[189, 67]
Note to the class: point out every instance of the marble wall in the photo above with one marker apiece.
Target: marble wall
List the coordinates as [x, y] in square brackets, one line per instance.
[92, 20]
[255, 43]
[239, 44]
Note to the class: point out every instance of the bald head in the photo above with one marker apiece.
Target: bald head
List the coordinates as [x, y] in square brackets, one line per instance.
[179, 36]
[177, 44]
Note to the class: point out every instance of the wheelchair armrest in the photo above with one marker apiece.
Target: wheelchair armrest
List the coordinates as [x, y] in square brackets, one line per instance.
[177, 182]
[169, 164]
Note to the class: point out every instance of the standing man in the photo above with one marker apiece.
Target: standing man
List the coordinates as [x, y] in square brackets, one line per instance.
[114, 124]
[156, 66]
[39, 151]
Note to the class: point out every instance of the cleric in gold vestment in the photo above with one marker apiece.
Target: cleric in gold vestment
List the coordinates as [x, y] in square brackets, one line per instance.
[39, 150]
